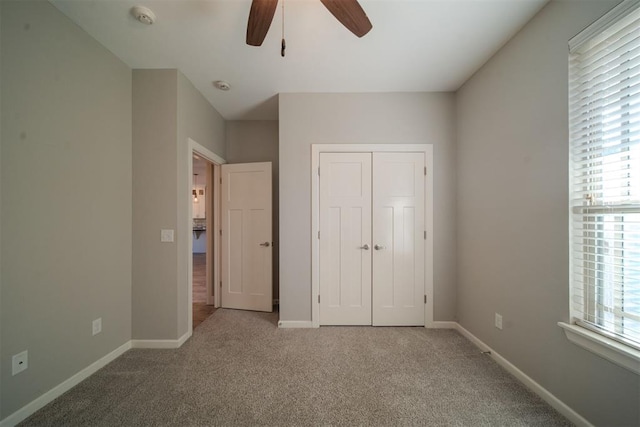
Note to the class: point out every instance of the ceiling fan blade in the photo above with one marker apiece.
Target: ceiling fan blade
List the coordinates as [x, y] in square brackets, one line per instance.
[260, 18]
[350, 14]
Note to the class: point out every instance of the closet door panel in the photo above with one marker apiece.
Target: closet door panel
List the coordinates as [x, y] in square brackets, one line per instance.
[398, 239]
[345, 232]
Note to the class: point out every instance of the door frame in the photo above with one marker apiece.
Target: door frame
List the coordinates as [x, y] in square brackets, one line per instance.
[213, 224]
[316, 149]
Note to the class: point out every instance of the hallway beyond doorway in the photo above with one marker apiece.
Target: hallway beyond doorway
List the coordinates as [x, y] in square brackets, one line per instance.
[201, 311]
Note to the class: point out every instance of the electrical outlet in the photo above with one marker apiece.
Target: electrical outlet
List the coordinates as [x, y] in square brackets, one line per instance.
[19, 362]
[97, 326]
[499, 321]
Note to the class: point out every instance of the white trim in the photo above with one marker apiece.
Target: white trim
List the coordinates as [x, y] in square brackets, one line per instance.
[614, 15]
[441, 325]
[213, 220]
[38, 403]
[161, 343]
[428, 223]
[612, 350]
[295, 324]
[468, 335]
[217, 302]
[316, 149]
[205, 152]
[529, 382]
[290, 324]
[194, 148]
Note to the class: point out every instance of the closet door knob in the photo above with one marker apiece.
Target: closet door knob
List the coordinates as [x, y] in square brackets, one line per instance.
[265, 244]
[378, 247]
[365, 247]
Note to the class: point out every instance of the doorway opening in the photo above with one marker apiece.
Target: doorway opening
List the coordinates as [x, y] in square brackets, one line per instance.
[202, 289]
[244, 245]
[203, 264]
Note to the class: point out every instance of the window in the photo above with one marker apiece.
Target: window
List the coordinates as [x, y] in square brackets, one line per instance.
[604, 102]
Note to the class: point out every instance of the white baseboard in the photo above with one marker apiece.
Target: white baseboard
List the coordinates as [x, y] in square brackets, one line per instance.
[27, 410]
[545, 394]
[290, 324]
[441, 325]
[161, 343]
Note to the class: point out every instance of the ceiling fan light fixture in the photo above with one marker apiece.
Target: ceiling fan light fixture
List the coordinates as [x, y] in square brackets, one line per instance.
[222, 85]
[143, 15]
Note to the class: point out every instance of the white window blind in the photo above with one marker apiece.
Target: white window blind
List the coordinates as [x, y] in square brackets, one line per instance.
[604, 102]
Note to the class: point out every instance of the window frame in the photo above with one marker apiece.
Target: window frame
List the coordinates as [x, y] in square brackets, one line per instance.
[580, 331]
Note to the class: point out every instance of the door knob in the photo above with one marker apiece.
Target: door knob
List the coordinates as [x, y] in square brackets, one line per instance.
[265, 244]
[378, 247]
[365, 247]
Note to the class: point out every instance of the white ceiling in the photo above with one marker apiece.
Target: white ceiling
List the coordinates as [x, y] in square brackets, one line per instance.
[414, 46]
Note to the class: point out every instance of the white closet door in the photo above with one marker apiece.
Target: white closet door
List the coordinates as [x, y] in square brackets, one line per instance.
[398, 239]
[246, 236]
[345, 227]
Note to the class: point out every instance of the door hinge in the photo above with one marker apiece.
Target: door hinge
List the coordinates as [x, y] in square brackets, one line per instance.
[220, 181]
[318, 298]
[425, 171]
[318, 171]
[425, 299]
[318, 234]
[221, 284]
[425, 235]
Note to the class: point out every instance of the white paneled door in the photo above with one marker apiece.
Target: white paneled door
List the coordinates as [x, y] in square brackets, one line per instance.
[398, 239]
[345, 248]
[246, 236]
[372, 239]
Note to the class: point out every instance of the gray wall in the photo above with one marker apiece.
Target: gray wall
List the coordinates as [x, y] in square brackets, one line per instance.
[257, 141]
[513, 254]
[389, 118]
[167, 110]
[197, 120]
[66, 199]
[155, 177]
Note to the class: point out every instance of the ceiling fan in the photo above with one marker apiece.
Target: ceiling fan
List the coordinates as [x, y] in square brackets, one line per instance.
[348, 12]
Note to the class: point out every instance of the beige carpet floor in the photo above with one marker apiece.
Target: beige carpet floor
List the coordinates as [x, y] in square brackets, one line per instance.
[239, 369]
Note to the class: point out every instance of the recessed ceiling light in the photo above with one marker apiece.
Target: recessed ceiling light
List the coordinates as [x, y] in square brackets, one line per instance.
[143, 14]
[222, 85]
